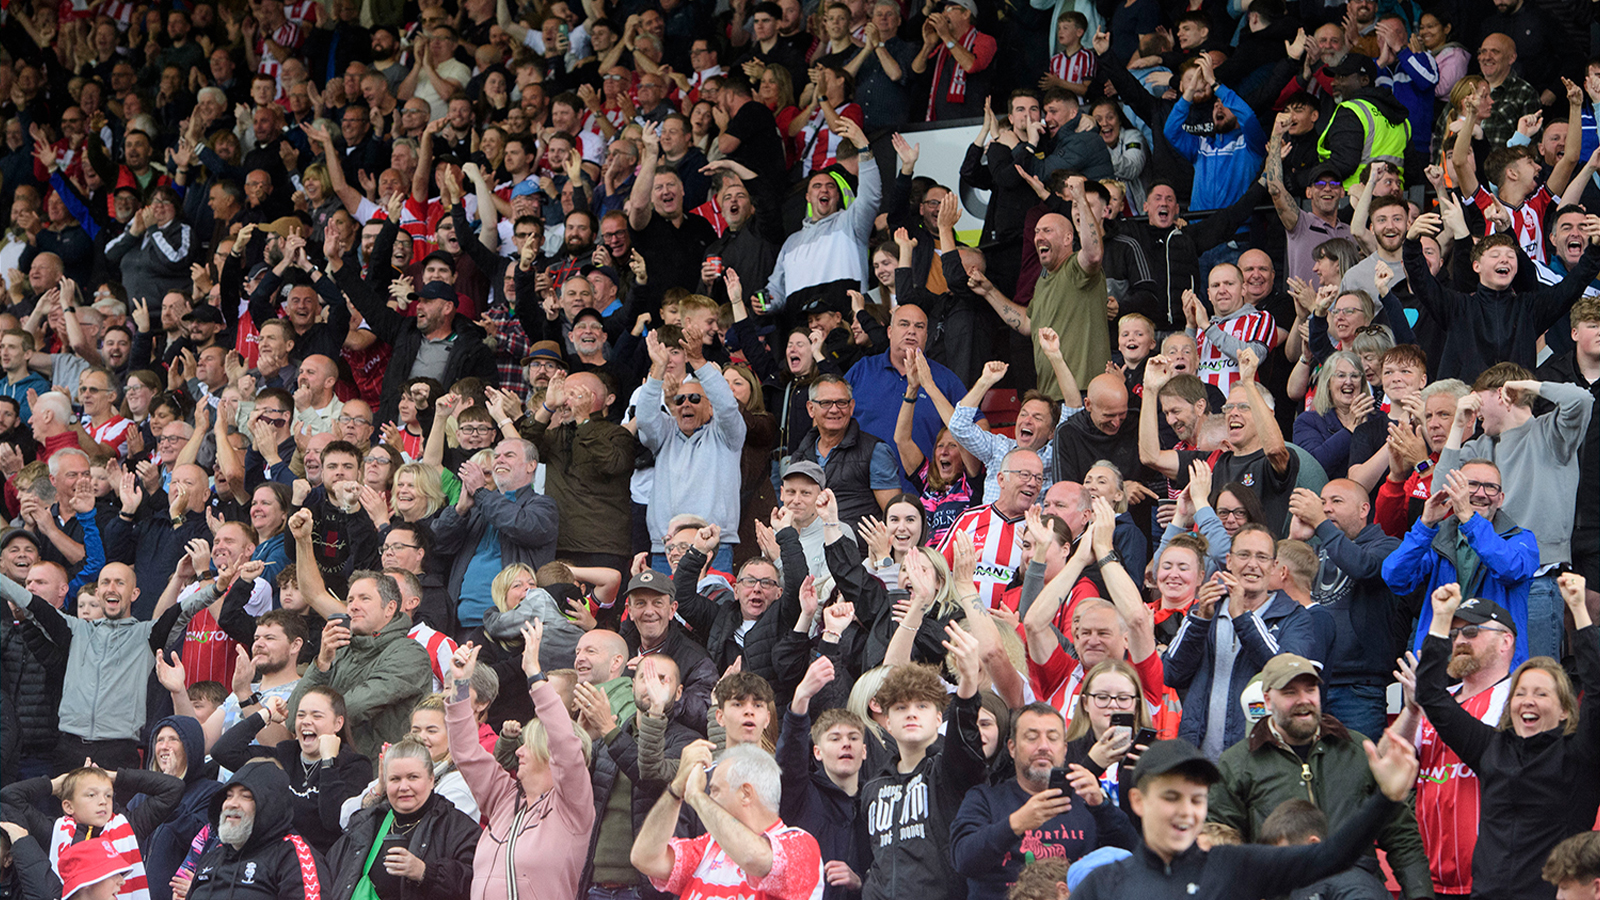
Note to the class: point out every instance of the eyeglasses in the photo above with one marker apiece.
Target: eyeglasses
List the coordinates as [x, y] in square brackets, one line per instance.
[1471, 632]
[679, 548]
[1020, 475]
[475, 429]
[1348, 310]
[170, 439]
[1263, 558]
[1236, 513]
[681, 399]
[1489, 488]
[397, 547]
[1235, 407]
[1326, 182]
[85, 389]
[614, 77]
[1107, 701]
[353, 420]
[833, 404]
[274, 420]
[747, 581]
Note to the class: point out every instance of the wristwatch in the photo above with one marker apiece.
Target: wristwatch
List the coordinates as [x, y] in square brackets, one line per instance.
[255, 699]
[1109, 557]
[535, 678]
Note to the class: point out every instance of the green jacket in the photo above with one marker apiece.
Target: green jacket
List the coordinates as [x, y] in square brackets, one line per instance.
[620, 692]
[382, 676]
[1260, 772]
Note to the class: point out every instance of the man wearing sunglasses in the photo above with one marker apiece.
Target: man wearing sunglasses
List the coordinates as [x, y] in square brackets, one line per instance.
[1539, 460]
[271, 443]
[1483, 641]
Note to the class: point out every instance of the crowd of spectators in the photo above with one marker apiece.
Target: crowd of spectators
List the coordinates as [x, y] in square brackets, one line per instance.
[591, 450]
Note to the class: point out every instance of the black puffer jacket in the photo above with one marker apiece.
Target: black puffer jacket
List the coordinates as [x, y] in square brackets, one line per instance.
[445, 839]
[33, 668]
[275, 863]
[715, 623]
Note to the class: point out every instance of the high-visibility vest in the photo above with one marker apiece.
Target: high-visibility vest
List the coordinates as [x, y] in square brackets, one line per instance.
[1383, 141]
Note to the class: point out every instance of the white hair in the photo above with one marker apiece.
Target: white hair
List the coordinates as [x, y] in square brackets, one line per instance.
[56, 404]
[749, 764]
[215, 93]
[59, 458]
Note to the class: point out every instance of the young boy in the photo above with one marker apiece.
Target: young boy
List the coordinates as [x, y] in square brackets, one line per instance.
[89, 811]
[742, 705]
[1136, 340]
[823, 800]
[1072, 67]
[1171, 784]
[910, 807]
[1299, 822]
[94, 870]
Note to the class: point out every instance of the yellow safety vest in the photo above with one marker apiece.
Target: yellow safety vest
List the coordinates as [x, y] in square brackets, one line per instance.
[1384, 141]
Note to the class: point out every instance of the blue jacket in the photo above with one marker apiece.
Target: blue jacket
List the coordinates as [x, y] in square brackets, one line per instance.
[1508, 556]
[1226, 165]
[1280, 626]
[168, 844]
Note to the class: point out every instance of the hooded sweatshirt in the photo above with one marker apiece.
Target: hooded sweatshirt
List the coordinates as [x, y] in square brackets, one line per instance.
[275, 862]
[168, 844]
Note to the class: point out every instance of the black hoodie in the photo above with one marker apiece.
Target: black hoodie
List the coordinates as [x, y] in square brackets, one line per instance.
[166, 847]
[275, 863]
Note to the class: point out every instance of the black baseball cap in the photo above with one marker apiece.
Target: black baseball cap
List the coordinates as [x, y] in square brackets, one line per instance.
[1356, 64]
[1323, 171]
[205, 312]
[1479, 610]
[437, 290]
[1179, 756]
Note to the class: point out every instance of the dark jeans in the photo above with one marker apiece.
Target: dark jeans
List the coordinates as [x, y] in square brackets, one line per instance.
[1359, 707]
[73, 750]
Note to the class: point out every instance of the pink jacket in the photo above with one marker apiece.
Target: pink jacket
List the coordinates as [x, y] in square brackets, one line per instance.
[553, 840]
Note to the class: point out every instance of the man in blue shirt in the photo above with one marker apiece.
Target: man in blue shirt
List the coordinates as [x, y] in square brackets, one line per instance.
[495, 525]
[879, 385]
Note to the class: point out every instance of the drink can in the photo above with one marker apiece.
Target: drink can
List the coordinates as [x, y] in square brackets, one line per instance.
[716, 265]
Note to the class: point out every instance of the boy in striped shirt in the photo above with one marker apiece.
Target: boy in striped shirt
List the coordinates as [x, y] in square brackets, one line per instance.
[1073, 66]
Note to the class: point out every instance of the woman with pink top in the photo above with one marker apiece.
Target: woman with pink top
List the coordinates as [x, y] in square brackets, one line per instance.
[539, 819]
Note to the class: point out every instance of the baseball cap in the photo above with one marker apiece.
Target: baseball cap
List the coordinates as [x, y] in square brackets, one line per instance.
[1165, 757]
[12, 534]
[589, 312]
[1284, 668]
[1475, 611]
[205, 312]
[1104, 856]
[437, 290]
[604, 271]
[439, 256]
[1356, 64]
[1322, 171]
[649, 580]
[806, 469]
[524, 188]
[967, 5]
[88, 863]
[259, 269]
[822, 303]
[284, 226]
[545, 350]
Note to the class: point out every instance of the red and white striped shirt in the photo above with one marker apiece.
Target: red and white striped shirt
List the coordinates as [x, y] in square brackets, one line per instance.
[113, 433]
[287, 36]
[822, 142]
[998, 541]
[440, 648]
[1447, 795]
[304, 11]
[1221, 369]
[119, 832]
[1527, 219]
[1077, 68]
[1060, 679]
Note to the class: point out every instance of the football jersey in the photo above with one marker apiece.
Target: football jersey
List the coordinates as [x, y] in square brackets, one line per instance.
[701, 869]
[998, 541]
[1447, 795]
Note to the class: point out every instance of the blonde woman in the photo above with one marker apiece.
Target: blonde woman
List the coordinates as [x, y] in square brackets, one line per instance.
[518, 600]
[427, 729]
[539, 817]
[317, 198]
[1341, 409]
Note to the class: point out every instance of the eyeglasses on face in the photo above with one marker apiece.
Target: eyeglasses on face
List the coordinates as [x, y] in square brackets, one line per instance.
[1108, 701]
[748, 581]
[1020, 475]
[833, 404]
[1489, 488]
[1471, 632]
[681, 399]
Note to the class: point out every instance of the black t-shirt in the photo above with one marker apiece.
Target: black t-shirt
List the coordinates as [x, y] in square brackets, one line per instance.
[673, 254]
[1254, 471]
[760, 149]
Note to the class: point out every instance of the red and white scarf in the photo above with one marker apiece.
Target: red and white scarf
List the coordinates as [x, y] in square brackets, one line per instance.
[120, 834]
[958, 76]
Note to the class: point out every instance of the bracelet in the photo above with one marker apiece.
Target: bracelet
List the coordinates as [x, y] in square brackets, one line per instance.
[910, 627]
[546, 407]
[910, 399]
[675, 795]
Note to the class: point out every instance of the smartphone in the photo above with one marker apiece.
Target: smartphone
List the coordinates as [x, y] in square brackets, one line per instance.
[1122, 720]
[1146, 737]
[342, 619]
[1058, 780]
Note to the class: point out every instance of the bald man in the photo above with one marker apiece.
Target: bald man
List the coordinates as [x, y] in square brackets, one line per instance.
[103, 698]
[1070, 296]
[1349, 583]
[1513, 98]
[164, 522]
[601, 662]
[1101, 431]
[588, 463]
[314, 402]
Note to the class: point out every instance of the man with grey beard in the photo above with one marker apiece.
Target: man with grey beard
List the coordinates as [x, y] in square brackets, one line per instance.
[258, 853]
[997, 823]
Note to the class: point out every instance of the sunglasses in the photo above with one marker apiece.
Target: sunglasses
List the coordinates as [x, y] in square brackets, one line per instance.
[681, 399]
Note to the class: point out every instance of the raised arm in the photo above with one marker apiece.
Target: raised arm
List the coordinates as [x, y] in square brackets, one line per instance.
[1157, 372]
